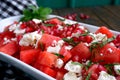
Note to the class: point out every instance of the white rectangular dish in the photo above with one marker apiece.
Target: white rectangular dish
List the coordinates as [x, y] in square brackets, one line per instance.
[25, 67]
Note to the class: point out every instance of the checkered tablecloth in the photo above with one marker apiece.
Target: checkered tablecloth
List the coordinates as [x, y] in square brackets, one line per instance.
[14, 7]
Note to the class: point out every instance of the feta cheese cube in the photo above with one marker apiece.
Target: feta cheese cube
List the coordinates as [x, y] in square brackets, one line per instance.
[16, 29]
[98, 37]
[68, 47]
[56, 46]
[71, 76]
[76, 68]
[105, 76]
[77, 34]
[60, 27]
[30, 39]
[55, 49]
[59, 63]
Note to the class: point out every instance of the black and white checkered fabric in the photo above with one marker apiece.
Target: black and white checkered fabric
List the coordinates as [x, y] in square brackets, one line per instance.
[14, 7]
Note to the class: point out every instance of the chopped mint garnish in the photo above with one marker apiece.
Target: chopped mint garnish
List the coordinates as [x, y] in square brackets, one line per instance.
[76, 63]
[59, 55]
[88, 76]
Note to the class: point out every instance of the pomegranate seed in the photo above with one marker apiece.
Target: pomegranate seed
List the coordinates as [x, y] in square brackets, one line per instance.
[81, 16]
[75, 58]
[70, 28]
[117, 41]
[29, 29]
[118, 38]
[56, 32]
[101, 68]
[81, 38]
[68, 33]
[87, 17]
[75, 39]
[23, 25]
[84, 16]
[88, 38]
[19, 37]
[71, 16]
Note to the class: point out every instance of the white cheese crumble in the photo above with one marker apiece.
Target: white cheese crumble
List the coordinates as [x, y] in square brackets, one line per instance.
[6, 40]
[105, 76]
[98, 37]
[37, 21]
[60, 27]
[59, 63]
[117, 69]
[76, 68]
[55, 49]
[14, 26]
[56, 46]
[16, 29]
[60, 42]
[77, 34]
[68, 37]
[71, 76]
[30, 39]
[110, 50]
[68, 47]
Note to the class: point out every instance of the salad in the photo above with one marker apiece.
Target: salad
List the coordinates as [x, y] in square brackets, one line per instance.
[63, 49]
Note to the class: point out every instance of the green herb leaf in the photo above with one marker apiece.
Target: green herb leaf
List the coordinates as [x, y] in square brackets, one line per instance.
[59, 55]
[38, 13]
[107, 41]
[101, 43]
[88, 65]
[95, 45]
[70, 41]
[109, 67]
[50, 25]
[88, 76]
[85, 33]
[76, 63]
[118, 70]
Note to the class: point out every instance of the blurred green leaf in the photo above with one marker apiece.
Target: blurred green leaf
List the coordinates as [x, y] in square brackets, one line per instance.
[38, 13]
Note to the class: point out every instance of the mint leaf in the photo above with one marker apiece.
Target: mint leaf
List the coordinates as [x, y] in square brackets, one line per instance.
[59, 55]
[49, 25]
[38, 13]
[70, 41]
[76, 63]
[88, 76]
[88, 65]
[100, 44]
